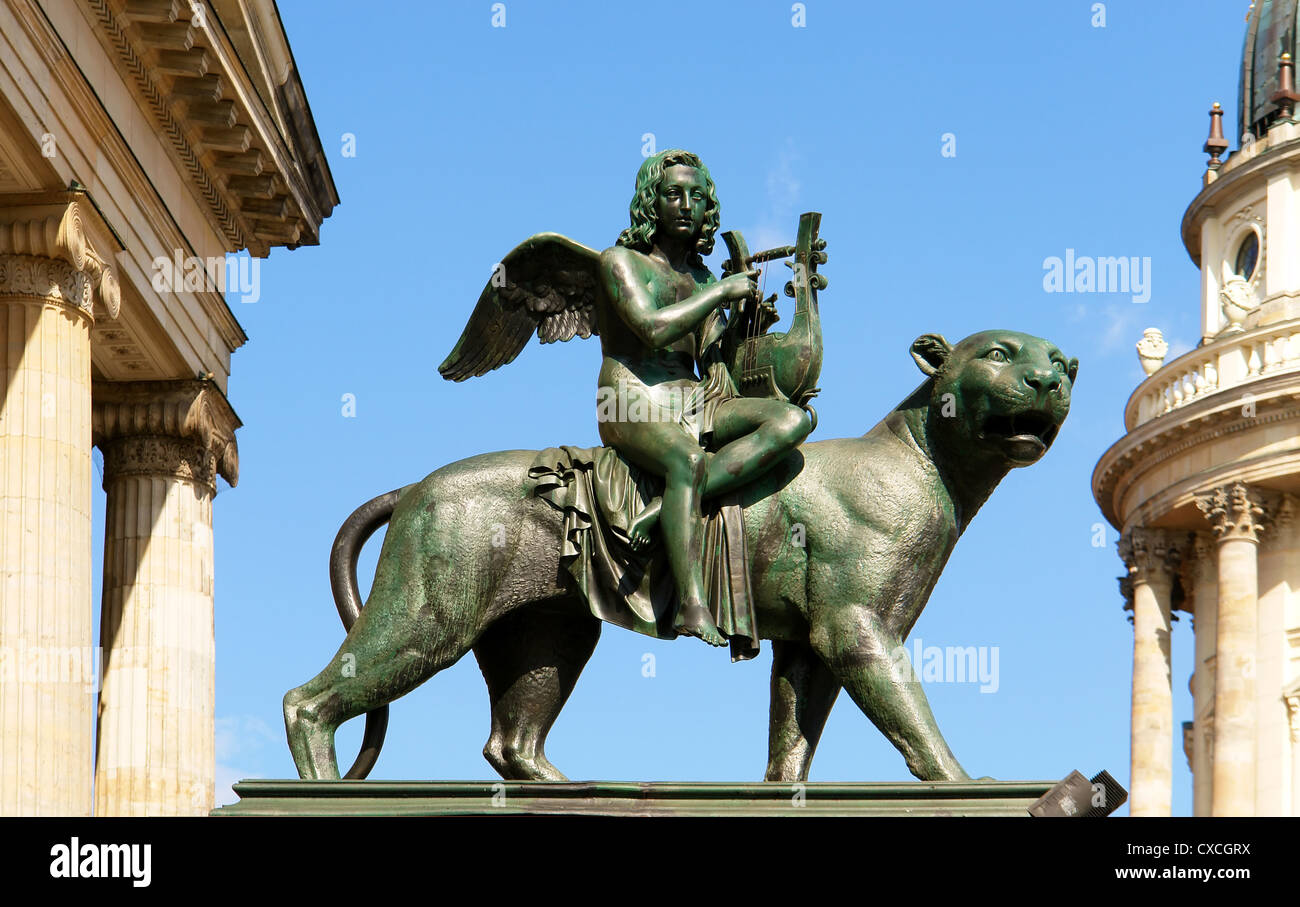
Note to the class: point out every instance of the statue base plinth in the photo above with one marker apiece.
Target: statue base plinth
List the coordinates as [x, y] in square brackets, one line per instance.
[622, 798]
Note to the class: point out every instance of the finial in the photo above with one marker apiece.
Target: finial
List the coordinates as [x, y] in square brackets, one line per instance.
[1152, 350]
[1216, 144]
[1285, 96]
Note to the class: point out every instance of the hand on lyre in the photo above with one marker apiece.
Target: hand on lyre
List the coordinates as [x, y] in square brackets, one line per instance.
[738, 289]
[767, 314]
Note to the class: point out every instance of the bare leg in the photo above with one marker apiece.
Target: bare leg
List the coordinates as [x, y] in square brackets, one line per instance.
[667, 450]
[751, 435]
[754, 434]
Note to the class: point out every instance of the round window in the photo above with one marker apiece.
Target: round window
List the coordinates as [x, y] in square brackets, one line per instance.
[1247, 256]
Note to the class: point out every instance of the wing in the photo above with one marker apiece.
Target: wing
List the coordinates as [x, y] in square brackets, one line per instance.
[547, 286]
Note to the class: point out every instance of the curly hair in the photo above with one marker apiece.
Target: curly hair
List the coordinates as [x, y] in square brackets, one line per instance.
[640, 235]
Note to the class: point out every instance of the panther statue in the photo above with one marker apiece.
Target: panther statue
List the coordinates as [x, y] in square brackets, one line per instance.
[846, 539]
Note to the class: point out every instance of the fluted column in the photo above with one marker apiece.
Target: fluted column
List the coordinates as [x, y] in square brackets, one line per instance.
[54, 278]
[1204, 578]
[1236, 516]
[1277, 549]
[164, 444]
[1291, 696]
[1152, 556]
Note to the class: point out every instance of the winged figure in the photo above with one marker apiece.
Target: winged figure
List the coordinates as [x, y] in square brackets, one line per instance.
[669, 403]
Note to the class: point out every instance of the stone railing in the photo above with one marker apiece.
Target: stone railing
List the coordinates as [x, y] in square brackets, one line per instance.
[1278, 135]
[1221, 365]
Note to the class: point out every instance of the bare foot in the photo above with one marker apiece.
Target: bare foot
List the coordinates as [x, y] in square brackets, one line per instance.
[641, 533]
[693, 619]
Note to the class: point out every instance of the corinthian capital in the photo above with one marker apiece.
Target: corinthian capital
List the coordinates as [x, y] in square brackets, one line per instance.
[1291, 696]
[1203, 547]
[1126, 592]
[1152, 553]
[1235, 511]
[184, 429]
[57, 246]
[1281, 520]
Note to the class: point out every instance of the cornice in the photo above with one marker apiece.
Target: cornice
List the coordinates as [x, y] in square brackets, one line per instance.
[1276, 399]
[1230, 181]
[123, 52]
[190, 80]
[112, 145]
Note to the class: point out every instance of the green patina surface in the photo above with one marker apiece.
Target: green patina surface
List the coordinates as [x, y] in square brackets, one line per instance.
[841, 541]
[618, 798]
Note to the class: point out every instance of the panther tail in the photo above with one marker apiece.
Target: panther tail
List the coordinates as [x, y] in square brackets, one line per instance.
[353, 534]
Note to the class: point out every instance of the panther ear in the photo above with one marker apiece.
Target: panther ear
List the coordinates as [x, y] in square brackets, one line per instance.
[930, 352]
[1074, 370]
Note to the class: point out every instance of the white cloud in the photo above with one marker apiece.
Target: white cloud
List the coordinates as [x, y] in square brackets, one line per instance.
[224, 788]
[782, 184]
[243, 735]
[240, 739]
[776, 225]
[1121, 329]
[1177, 347]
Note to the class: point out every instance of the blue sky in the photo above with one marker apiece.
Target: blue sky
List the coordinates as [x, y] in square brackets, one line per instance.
[470, 138]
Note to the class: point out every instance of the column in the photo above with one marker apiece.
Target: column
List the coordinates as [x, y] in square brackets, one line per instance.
[54, 279]
[1291, 696]
[164, 444]
[1236, 517]
[1277, 550]
[1204, 575]
[1152, 556]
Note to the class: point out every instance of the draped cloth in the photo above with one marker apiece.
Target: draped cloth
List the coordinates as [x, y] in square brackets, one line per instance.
[600, 494]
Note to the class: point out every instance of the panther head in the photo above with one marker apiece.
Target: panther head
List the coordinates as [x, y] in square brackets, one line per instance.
[997, 398]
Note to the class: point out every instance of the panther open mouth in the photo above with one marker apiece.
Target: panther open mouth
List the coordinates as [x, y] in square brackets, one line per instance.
[1034, 430]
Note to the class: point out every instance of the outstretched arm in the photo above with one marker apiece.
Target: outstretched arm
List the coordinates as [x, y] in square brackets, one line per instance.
[629, 293]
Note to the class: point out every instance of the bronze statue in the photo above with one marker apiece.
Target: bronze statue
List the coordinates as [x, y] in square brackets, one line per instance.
[843, 541]
[658, 312]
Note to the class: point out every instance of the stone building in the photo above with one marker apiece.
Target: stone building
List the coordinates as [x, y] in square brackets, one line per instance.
[141, 142]
[1204, 484]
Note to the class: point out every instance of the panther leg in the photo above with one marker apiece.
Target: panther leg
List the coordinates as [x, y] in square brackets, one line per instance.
[531, 660]
[803, 692]
[869, 662]
[400, 640]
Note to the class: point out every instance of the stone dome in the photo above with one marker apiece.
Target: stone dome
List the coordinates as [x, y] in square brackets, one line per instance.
[1270, 32]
